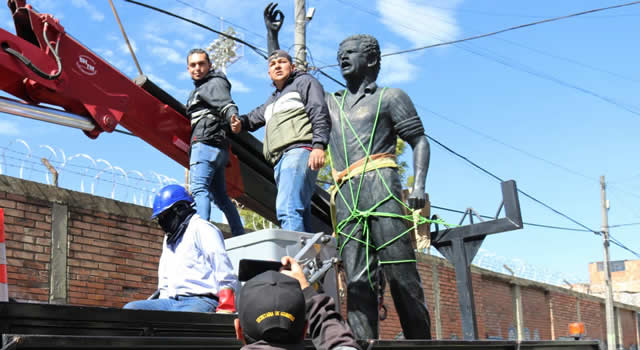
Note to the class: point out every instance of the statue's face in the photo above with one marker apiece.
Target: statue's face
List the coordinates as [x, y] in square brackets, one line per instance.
[351, 59]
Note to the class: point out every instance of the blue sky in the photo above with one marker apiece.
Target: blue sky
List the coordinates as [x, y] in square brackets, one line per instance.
[547, 106]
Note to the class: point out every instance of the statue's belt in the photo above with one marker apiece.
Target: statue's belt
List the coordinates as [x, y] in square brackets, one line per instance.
[376, 161]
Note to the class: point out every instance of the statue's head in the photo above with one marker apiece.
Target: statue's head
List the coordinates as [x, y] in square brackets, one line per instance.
[359, 55]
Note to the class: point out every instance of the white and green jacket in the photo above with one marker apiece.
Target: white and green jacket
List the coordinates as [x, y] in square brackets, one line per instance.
[296, 116]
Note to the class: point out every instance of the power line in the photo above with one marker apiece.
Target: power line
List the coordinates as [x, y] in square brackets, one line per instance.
[519, 66]
[499, 179]
[526, 223]
[220, 18]
[570, 60]
[497, 14]
[627, 107]
[513, 28]
[262, 53]
[488, 34]
[624, 225]
[489, 137]
[619, 244]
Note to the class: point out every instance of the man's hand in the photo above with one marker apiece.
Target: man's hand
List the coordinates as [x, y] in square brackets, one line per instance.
[273, 18]
[236, 124]
[417, 199]
[316, 159]
[295, 271]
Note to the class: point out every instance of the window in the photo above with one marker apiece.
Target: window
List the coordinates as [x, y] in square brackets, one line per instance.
[614, 266]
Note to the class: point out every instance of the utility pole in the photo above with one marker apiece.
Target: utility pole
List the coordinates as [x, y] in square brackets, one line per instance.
[609, 316]
[299, 39]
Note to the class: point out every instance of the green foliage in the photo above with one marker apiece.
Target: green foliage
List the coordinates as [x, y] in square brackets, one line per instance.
[252, 220]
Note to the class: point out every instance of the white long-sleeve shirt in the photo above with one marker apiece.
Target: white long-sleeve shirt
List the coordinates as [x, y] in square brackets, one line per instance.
[197, 263]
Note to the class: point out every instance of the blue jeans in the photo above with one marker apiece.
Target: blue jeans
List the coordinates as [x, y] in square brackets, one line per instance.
[180, 303]
[296, 183]
[207, 183]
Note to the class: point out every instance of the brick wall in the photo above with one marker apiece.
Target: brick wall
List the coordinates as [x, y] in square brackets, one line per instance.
[628, 325]
[495, 308]
[27, 225]
[564, 312]
[113, 249]
[112, 259]
[592, 315]
[536, 314]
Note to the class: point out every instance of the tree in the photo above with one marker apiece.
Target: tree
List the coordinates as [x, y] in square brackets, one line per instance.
[253, 220]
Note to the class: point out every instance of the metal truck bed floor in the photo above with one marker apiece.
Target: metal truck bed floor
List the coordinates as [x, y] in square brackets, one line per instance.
[46, 342]
[20, 318]
[46, 326]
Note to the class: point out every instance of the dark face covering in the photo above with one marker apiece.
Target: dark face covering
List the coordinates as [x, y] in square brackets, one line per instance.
[175, 221]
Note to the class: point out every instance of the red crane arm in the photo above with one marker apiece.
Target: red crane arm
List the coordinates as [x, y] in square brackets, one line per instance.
[83, 83]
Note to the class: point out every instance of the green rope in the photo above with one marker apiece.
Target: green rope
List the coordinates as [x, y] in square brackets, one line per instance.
[361, 217]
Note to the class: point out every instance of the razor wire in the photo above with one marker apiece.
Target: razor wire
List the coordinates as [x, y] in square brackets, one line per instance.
[81, 172]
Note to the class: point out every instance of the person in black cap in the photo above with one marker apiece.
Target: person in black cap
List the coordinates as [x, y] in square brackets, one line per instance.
[275, 309]
[297, 126]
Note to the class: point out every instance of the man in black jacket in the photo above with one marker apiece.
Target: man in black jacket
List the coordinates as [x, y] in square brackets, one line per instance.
[297, 131]
[210, 109]
[275, 309]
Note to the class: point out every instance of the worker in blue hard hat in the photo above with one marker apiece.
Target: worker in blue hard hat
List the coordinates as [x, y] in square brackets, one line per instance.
[195, 273]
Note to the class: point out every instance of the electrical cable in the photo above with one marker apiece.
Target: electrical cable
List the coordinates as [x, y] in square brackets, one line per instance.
[262, 53]
[619, 244]
[479, 36]
[489, 137]
[500, 180]
[494, 14]
[623, 225]
[219, 18]
[518, 66]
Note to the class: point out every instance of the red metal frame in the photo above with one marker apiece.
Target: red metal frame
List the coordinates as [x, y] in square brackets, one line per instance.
[88, 86]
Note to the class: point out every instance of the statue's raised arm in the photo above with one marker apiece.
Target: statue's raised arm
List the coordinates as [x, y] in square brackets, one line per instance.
[273, 20]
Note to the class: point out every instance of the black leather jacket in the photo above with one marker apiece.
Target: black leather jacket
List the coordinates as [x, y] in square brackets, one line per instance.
[210, 108]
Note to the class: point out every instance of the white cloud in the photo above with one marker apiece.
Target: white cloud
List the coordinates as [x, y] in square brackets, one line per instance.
[397, 69]
[419, 23]
[184, 75]
[167, 54]
[180, 44]
[105, 53]
[155, 38]
[93, 11]
[238, 86]
[124, 48]
[161, 82]
[179, 94]
[8, 128]
[250, 66]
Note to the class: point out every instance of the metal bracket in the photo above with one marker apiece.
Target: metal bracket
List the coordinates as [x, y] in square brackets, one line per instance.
[459, 246]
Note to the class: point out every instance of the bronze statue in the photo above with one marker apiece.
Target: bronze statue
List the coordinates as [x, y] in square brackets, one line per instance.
[370, 225]
[367, 120]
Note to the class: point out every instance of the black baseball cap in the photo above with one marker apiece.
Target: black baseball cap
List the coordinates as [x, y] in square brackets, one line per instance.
[279, 53]
[271, 308]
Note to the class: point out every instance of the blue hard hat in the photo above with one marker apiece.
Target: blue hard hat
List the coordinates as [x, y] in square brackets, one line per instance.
[167, 197]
